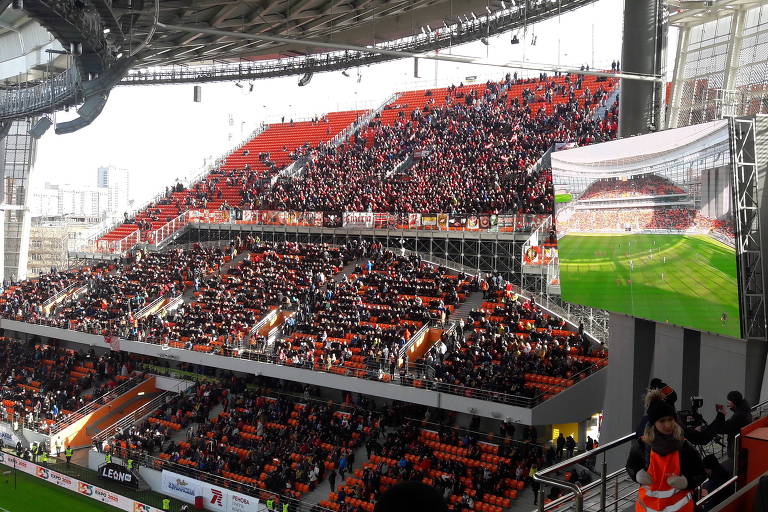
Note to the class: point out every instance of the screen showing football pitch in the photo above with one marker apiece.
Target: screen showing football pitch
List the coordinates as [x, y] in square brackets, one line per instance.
[645, 227]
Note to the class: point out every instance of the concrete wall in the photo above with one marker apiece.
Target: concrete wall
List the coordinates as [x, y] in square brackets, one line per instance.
[172, 384]
[568, 406]
[693, 363]
[722, 368]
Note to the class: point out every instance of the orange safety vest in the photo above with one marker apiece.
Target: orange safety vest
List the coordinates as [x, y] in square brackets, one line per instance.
[659, 496]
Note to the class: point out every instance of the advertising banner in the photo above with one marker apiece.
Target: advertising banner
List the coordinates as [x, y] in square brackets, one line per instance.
[414, 220]
[457, 222]
[384, 221]
[8, 436]
[119, 474]
[209, 216]
[181, 487]
[358, 219]
[473, 222]
[214, 497]
[75, 485]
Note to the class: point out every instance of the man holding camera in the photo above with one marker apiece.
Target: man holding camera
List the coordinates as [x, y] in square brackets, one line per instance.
[741, 417]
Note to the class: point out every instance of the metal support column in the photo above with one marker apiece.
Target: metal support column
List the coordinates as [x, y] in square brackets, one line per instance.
[642, 52]
[677, 77]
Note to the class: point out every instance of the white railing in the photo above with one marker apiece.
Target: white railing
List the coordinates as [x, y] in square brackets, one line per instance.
[163, 233]
[362, 121]
[96, 404]
[261, 323]
[135, 416]
[409, 344]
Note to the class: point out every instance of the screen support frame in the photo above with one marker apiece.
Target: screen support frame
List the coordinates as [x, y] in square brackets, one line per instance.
[748, 245]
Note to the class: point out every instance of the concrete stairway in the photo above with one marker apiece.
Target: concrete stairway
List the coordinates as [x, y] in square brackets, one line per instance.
[475, 300]
[121, 411]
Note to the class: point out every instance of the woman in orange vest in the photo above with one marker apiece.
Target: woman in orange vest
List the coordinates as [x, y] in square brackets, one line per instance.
[666, 466]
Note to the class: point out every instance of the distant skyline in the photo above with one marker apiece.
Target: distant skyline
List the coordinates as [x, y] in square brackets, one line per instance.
[159, 134]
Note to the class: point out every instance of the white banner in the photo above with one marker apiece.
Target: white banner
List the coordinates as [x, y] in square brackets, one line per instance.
[358, 219]
[181, 487]
[8, 436]
[215, 498]
[75, 485]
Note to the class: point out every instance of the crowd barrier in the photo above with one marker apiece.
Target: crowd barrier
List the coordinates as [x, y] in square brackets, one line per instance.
[73, 484]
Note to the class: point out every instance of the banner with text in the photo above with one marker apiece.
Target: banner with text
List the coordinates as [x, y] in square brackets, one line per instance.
[215, 498]
[75, 485]
[359, 219]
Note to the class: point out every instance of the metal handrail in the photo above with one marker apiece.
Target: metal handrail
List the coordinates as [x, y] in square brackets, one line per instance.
[134, 416]
[542, 477]
[96, 404]
[578, 491]
[371, 374]
[421, 332]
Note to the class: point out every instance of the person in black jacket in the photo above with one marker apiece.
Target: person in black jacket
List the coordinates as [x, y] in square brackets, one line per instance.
[742, 416]
[670, 396]
[717, 475]
[662, 459]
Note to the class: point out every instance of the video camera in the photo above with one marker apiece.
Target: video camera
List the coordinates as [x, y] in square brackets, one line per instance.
[693, 423]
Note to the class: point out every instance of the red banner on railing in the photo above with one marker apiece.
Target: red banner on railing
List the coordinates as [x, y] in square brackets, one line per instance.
[209, 216]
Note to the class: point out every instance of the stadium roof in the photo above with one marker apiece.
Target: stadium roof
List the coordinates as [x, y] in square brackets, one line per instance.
[624, 156]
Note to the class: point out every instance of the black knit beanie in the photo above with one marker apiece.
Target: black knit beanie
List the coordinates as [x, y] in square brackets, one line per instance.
[735, 397]
[660, 408]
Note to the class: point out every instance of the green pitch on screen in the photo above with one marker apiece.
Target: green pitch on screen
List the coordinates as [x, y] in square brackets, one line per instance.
[680, 279]
[34, 495]
[563, 198]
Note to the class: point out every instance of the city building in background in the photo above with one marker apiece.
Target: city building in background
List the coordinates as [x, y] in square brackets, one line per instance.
[65, 199]
[51, 239]
[117, 183]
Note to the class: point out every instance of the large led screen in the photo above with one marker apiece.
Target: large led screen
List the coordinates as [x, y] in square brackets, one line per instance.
[645, 227]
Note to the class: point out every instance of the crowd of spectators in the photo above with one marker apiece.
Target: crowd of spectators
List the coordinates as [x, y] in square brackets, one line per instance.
[636, 186]
[468, 472]
[353, 323]
[228, 305]
[41, 384]
[511, 341]
[366, 317]
[633, 219]
[472, 155]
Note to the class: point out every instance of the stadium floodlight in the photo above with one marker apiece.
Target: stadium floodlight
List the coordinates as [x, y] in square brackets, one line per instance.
[40, 127]
[305, 79]
[515, 40]
[345, 73]
[106, 30]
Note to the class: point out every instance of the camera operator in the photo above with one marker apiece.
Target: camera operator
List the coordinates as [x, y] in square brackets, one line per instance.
[742, 416]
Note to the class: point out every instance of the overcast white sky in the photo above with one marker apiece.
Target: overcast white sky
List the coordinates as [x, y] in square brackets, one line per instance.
[159, 133]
